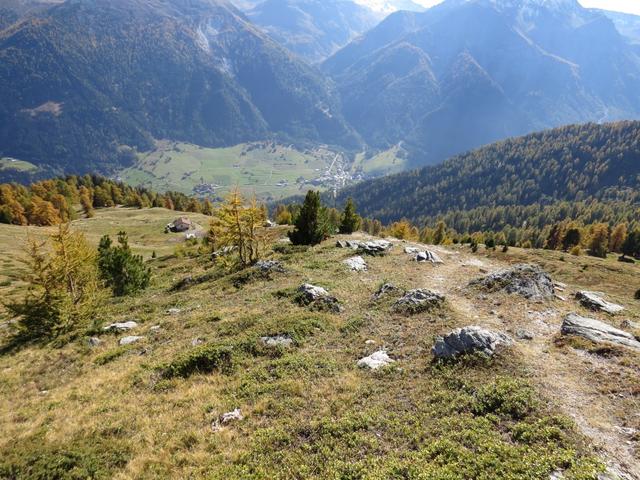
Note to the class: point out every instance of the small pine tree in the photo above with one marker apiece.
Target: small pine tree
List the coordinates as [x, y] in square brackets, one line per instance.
[120, 269]
[64, 293]
[310, 227]
[237, 225]
[440, 233]
[350, 221]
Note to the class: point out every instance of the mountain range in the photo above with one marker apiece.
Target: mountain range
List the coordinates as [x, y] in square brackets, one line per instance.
[469, 72]
[86, 84]
[313, 29]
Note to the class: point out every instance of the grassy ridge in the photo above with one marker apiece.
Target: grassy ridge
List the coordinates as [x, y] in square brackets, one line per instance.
[146, 410]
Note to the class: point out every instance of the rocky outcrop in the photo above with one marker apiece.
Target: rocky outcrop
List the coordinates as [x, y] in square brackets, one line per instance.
[419, 300]
[594, 301]
[226, 418]
[269, 266]
[384, 290]
[376, 360]
[372, 247]
[121, 327]
[529, 281]
[428, 256]
[597, 331]
[129, 340]
[357, 264]
[411, 250]
[467, 340]
[317, 298]
[277, 341]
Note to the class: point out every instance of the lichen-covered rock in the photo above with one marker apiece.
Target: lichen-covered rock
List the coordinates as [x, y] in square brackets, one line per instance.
[277, 341]
[226, 418]
[268, 266]
[385, 289]
[121, 327]
[317, 298]
[376, 360]
[94, 341]
[357, 264]
[467, 340]
[597, 331]
[411, 250]
[529, 281]
[129, 340]
[594, 301]
[375, 247]
[419, 300]
[428, 256]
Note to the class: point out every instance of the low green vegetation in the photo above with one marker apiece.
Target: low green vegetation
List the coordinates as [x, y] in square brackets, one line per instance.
[268, 170]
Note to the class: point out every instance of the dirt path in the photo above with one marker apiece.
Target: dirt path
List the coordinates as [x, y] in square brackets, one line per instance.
[572, 379]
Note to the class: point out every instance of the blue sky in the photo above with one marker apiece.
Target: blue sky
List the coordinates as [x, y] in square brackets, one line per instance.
[627, 6]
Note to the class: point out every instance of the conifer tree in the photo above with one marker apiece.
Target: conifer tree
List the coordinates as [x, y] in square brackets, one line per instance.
[599, 243]
[310, 227]
[63, 294]
[86, 202]
[350, 221]
[120, 269]
[440, 233]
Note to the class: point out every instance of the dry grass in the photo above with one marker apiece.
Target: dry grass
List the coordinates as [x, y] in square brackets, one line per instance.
[309, 411]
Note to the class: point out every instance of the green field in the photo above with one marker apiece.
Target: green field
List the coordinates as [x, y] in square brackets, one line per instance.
[383, 163]
[8, 164]
[270, 171]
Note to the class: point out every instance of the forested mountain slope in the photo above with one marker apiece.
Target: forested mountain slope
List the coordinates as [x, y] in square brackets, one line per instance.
[574, 163]
[85, 83]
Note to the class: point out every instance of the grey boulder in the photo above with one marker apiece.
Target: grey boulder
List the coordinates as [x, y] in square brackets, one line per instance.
[277, 341]
[357, 264]
[593, 301]
[120, 327]
[384, 290]
[529, 281]
[467, 340]
[129, 340]
[597, 331]
[376, 360]
[428, 256]
[375, 247]
[268, 266]
[419, 300]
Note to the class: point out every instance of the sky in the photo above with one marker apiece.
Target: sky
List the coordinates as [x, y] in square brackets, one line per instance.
[627, 6]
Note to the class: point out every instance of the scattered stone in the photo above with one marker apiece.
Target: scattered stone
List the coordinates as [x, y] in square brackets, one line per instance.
[341, 244]
[155, 328]
[94, 341]
[120, 327]
[190, 236]
[268, 266]
[593, 301]
[559, 297]
[419, 300]
[226, 418]
[277, 341]
[317, 298]
[270, 224]
[597, 331]
[428, 256]
[375, 360]
[375, 247]
[522, 334]
[384, 290]
[129, 340]
[529, 281]
[174, 311]
[467, 340]
[197, 341]
[357, 264]
[557, 475]
[370, 342]
[411, 250]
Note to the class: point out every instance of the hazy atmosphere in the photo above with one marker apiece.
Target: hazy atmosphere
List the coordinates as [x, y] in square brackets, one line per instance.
[320, 239]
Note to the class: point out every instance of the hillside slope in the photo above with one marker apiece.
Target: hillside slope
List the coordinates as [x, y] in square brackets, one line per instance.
[313, 29]
[573, 164]
[307, 410]
[85, 83]
[468, 73]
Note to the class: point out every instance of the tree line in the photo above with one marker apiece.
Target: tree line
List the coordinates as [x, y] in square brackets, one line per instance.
[54, 201]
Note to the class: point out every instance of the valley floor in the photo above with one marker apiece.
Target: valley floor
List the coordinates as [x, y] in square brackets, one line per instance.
[542, 407]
